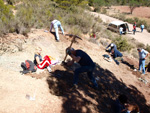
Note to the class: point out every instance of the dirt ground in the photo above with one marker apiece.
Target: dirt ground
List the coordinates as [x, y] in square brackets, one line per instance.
[138, 12]
[53, 91]
[143, 37]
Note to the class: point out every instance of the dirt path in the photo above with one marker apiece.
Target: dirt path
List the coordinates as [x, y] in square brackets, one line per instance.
[141, 37]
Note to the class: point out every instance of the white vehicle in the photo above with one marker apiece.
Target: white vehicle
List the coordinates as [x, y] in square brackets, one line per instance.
[115, 26]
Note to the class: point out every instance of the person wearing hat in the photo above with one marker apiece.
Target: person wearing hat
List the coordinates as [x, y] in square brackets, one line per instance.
[143, 54]
[86, 65]
[110, 47]
[56, 24]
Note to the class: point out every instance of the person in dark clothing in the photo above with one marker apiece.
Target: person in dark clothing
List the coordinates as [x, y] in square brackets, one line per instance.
[119, 105]
[86, 63]
[110, 47]
[116, 53]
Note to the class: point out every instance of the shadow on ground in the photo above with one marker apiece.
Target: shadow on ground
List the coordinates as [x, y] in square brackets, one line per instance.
[86, 99]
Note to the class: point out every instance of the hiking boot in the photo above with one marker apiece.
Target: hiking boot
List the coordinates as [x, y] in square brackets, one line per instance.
[49, 69]
[57, 40]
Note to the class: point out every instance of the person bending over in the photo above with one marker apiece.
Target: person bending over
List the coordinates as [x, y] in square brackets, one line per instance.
[86, 63]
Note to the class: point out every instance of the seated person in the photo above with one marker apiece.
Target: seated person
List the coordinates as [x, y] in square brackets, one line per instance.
[110, 47]
[132, 108]
[122, 105]
[119, 106]
[42, 63]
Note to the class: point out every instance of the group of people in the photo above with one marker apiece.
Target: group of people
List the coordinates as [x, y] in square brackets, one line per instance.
[134, 27]
[86, 63]
[143, 54]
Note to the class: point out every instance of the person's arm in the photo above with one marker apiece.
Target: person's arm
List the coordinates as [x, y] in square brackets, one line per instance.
[70, 63]
[37, 60]
[146, 55]
[76, 59]
[108, 46]
[62, 29]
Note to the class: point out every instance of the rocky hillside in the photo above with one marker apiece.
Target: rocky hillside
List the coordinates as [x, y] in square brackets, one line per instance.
[44, 92]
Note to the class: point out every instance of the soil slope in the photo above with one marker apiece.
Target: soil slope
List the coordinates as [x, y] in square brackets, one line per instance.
[143, 37]
[53, 92]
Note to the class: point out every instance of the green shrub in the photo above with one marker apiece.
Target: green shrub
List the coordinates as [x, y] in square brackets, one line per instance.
[140, 45]
[121, 17]
[135, 53]
[75, 30]
[104, 11]
[129, 20]
[148, 48]
[82, 20]
[148, 28]
[122, 44]
[6, 18]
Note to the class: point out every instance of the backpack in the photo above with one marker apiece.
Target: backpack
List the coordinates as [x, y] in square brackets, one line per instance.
[28, 66]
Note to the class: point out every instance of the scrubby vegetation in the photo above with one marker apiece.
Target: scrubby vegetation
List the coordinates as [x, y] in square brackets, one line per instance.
[122, 44]
[6, 18]
[131, 20]
[21, 15]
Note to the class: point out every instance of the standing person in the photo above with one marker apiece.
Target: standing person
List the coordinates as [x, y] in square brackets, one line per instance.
[142, 27]
[143, 54]
[42, 63]
[134, 28]
[121, 30]
[56, 24]
[86, 63]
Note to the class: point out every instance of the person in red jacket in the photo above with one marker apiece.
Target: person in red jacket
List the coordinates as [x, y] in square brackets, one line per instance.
[134, 28]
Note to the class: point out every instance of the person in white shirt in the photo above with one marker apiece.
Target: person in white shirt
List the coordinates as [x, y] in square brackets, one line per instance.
[56, 24]
[121, 30]
[142, 27]
[143, 54]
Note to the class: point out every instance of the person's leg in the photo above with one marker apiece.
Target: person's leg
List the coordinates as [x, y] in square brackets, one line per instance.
[143, 66]
[120, 33]
[78, 71]
[140, 64]
[61, 29]
[91, 77]
[134, 31]
[51, 27]
[142, 30]
[57, 35]
[44, 64]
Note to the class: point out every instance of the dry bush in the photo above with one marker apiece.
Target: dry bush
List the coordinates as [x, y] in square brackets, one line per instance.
[148, 48]
[148, 28]
[140, 45]
[122, 44]
[135, 53]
